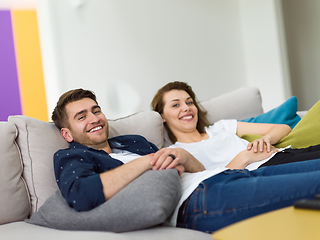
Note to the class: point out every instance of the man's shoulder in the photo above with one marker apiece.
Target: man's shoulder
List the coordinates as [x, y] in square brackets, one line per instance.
[128, 139]
[73, 147]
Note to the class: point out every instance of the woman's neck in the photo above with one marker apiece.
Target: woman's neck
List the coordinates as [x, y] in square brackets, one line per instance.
[191, 137]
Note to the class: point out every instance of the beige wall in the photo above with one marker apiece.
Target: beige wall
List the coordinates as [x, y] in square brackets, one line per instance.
[302, 22]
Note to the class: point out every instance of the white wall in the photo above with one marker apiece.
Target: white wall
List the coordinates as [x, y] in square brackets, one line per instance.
[141, 45]
[18, 4]
[265, 50]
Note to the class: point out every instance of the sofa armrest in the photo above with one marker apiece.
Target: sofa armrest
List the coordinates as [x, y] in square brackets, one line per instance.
[301, 113]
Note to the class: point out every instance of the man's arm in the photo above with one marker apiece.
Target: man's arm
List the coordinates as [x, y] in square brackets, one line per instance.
[116, 179]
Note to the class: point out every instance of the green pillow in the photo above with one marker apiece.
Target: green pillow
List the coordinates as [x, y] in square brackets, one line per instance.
[306, 133]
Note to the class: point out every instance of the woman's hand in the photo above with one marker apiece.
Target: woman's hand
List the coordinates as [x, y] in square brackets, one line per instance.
[260, 144]
[272, 133]
[168, 158]
[246, 157]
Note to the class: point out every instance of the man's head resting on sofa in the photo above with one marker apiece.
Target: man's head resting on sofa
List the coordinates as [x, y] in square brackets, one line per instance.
[158, 104]
[79, 118]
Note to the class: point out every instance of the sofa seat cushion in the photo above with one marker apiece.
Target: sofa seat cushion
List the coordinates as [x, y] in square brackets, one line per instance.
[14, 198]
[19, 230]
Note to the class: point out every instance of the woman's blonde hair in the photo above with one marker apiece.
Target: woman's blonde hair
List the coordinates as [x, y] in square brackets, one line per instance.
[157, 105]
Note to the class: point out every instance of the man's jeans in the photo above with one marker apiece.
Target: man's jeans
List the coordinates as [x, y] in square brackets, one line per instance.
[234, 195]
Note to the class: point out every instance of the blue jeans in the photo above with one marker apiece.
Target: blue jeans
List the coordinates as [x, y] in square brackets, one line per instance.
[234, 195]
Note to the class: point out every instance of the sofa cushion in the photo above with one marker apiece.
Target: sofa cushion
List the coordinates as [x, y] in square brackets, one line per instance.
[303, 135]
[38, 141]
[145, 123]
[14, 198]
[146, 202]
[242, 103]
[286, 113]
[306, 132]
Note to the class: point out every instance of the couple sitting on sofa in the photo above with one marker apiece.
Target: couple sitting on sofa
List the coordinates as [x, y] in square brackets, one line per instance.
[217, 189]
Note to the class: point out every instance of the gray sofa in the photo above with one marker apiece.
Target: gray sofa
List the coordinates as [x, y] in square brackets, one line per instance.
[27, 179]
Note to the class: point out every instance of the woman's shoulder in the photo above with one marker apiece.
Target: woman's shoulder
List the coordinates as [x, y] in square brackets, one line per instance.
[223, 124]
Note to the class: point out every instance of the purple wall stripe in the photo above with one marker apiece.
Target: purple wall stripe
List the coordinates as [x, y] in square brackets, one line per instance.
[10, 103]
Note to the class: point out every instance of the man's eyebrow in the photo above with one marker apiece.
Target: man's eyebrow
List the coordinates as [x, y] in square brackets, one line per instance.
[79, 113]
[85, 111]
[95, 106]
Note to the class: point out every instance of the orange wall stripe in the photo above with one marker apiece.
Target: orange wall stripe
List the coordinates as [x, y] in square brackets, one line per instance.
[29, 64]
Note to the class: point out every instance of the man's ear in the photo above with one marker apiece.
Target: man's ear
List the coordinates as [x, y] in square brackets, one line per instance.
[66, 134]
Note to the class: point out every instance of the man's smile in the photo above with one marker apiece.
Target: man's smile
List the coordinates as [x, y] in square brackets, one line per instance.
[97, 128]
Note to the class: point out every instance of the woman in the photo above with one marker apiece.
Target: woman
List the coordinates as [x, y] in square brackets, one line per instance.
[220, 144]
[219, 196]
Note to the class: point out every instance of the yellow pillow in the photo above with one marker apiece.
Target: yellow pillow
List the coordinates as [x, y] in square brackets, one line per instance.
[306, 133]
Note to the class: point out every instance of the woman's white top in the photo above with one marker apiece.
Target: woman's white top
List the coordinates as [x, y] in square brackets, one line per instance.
[220, 148]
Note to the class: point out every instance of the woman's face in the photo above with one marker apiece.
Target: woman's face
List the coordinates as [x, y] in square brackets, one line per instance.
[179, 112]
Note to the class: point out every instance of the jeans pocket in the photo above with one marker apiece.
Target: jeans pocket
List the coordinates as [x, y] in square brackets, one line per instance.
[198, 199]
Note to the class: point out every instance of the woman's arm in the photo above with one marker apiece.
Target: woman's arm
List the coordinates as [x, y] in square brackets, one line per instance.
[246, 157]
[272, 133]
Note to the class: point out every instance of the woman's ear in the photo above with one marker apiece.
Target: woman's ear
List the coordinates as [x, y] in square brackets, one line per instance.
[163, 120]
[66, 134]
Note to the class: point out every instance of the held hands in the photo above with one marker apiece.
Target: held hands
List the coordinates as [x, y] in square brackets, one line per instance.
[168, 158]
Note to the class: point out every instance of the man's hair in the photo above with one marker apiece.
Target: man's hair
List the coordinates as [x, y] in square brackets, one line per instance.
[157, 104]
[59, 114]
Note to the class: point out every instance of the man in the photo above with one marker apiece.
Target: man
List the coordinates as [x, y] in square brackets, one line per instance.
[92, 169]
